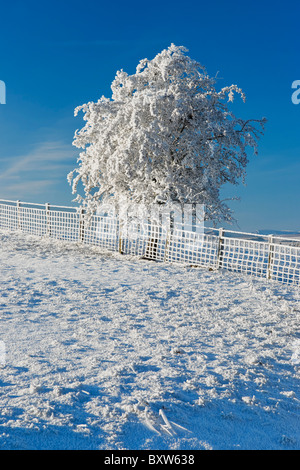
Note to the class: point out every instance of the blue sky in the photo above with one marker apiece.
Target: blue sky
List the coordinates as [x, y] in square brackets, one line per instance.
[58, 55]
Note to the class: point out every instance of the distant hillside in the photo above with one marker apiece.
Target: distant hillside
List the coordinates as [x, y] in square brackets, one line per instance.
[279, 233]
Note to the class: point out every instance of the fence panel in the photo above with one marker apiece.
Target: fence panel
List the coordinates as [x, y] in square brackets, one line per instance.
[32, 220]
[8, 216]
[285, 264]
[276, 259]
[192, 248]
[101, 231]
[147, 240]
[63, 225]
[247, 256]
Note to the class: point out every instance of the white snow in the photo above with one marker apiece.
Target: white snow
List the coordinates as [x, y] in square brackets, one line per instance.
[104, 351]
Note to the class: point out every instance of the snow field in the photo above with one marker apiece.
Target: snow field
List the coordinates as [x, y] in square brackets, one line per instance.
[104, 351]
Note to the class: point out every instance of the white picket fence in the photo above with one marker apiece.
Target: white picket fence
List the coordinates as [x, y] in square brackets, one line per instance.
[275, 258]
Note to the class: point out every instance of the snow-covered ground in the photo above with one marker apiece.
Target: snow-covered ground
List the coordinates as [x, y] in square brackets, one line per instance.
[103, 351]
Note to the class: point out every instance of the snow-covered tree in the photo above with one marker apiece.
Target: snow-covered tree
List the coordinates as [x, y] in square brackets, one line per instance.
[166, 135]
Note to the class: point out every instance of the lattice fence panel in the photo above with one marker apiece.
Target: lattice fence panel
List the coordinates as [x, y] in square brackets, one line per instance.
[239, 252]
[285, 264]
[250, 257]
[192, 248]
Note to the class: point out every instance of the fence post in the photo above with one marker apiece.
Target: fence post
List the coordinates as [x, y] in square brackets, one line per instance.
[48, 222]
[167, 246]
[120, 238]
[270, 257]
[19, 225]
[220, 249]
[81, 225]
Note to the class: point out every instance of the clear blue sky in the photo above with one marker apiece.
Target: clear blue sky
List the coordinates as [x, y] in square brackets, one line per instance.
[57, 55]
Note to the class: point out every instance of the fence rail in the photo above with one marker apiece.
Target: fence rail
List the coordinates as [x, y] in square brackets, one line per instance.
[271, 257]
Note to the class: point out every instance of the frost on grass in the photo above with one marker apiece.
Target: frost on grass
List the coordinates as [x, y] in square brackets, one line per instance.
[107, 352]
